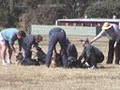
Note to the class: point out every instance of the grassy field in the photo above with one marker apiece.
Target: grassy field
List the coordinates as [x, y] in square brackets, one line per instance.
[16, 77]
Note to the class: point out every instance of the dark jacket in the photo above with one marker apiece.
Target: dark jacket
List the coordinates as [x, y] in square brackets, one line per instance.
[29, 40]
[92, 55]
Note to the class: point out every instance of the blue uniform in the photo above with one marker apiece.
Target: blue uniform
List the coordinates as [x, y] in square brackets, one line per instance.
[71, 55]
[10, 35]
[71, 52]
[56, 35]
[27, 43]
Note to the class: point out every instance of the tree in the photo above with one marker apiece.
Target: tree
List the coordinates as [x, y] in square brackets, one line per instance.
[76, 8]
[105, 9]
[4, 10]
[71, 8]
[42, 15]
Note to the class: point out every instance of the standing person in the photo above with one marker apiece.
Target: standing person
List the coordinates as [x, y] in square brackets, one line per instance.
[7, 38]
[28, 42]
[56, 35]
[91, 54]
[113, 33]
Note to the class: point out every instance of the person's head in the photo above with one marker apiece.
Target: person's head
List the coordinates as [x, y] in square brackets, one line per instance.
[84, 41]
[106, 26]
[38, 38]
[21, 34]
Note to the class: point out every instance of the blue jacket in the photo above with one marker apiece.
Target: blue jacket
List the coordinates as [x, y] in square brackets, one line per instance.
[29, 40]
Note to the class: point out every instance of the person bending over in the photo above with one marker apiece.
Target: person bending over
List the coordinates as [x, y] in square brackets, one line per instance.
[7, 38]
[56, 35]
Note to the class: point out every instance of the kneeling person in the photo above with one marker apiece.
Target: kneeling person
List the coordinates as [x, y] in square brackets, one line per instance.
[91, 54]
[27, 43]
[71, 55]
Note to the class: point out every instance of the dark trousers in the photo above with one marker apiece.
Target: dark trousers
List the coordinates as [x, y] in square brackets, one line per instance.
[94, 59]
[65, 61]
[113, 51]
[27, 52]
[55, 37]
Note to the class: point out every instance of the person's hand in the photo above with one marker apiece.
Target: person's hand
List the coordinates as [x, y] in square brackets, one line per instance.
[91, 42]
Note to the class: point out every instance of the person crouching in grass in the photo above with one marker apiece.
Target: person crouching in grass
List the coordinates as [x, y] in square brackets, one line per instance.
[91, 54]
[28, 42]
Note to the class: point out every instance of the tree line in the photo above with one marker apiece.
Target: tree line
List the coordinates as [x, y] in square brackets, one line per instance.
[23, 13]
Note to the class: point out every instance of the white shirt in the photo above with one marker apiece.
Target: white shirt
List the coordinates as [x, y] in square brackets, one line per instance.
[113, 33]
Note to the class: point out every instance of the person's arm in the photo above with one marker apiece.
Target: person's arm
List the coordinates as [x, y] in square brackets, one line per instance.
[102, 33]
[87, 52]
[20, 45]
[11, 43]
[115, 44]
[82, 55]
[13, 49]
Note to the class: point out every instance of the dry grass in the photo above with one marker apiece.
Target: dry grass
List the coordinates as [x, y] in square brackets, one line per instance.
[16, 77]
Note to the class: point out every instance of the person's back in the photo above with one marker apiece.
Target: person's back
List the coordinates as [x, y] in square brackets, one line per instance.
[29, 39]
[95, 52]
[72, 55]
[10, 34]
[72, 51]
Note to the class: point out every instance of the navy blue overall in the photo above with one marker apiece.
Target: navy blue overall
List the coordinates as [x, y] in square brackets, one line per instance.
[71, 52]
[56, 35]
[27, 43]
[70, 56]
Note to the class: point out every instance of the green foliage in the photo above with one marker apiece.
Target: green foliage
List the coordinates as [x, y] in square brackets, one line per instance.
[1, 28]
[105, 9]
[41, 15]
[47, 11]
